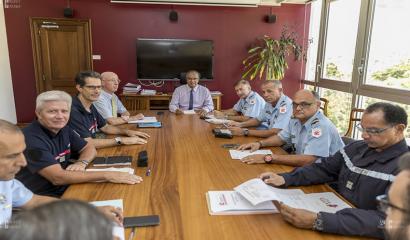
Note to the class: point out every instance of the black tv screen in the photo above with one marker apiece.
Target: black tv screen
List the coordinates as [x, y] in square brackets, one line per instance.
[170, 59]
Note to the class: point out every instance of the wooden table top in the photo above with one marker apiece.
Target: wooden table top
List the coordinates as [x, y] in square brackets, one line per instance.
[186, 161]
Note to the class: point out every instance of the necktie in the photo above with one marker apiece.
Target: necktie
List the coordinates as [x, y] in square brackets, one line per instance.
[114, 107]
[191, 100]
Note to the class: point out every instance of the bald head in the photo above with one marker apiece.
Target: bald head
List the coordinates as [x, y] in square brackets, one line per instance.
[110, 82]
[305, 104]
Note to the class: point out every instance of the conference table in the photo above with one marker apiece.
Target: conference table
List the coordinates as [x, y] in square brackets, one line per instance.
[186, 161]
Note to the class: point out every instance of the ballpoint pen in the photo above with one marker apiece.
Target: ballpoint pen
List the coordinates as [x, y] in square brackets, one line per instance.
[148, 172]
[132, 234]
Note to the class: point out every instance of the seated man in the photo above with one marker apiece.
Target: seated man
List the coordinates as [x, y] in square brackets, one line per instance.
[13, 193]
[363, 170]
[50, 146]
[191, 96]
[109, 105]
[250, 104]
[277, 113]
[311, 134]
[397, 205]
[86, 121]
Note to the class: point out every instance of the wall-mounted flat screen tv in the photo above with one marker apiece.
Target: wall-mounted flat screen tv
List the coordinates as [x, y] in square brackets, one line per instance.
[170, 59]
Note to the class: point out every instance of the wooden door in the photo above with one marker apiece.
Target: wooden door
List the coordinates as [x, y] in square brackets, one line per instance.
[61, 48]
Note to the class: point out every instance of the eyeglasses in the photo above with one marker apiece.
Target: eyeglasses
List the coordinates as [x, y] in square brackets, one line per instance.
[384, 204]
[93, 87]
[371, 131]
[302, 105]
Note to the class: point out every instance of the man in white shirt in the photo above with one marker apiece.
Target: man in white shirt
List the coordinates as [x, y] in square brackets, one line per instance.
[191, 96]
[109, 105]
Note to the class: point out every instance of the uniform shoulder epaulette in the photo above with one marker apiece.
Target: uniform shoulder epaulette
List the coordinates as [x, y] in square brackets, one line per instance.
[316, 120]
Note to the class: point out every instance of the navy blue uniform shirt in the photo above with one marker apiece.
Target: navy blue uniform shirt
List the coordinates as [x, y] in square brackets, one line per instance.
[44, 149]
[362, 174]
[85, 123]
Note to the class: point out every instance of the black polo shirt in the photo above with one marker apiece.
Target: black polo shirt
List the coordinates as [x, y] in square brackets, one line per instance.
[85, 123]
[44, 148]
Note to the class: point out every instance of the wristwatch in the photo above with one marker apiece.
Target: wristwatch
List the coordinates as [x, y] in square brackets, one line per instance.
[318, 224]
[245, 132]
[118, 140]
[268, 158]
[85, 162]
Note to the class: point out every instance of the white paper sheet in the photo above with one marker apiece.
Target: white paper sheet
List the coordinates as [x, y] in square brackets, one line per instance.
[145, 120]
[111, 169]
[189, 112]
[238, 154]
[231, 202]
[117, 230]
[256, 192]
[217, 121]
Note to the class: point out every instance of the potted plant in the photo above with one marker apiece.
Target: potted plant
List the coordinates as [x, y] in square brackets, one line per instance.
[268, 57]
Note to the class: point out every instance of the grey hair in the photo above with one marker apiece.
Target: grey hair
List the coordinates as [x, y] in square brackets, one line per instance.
[276, 83]
[54, 95]
[59, 220]
[242, 82]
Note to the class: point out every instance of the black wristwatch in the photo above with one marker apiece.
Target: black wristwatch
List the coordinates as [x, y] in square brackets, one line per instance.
[118, 140]
[245, 132]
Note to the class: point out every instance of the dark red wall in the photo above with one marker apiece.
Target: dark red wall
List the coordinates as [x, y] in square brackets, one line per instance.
[115, 28]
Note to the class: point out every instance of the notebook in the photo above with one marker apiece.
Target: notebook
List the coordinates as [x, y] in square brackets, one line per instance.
[113, 160]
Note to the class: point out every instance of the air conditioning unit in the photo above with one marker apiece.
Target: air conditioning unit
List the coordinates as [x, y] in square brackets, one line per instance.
[233, 3]
[279, 2]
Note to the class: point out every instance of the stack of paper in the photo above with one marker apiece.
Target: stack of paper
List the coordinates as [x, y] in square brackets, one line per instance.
[131, 88]
[232, 203]
[256, 197]
[117, 230]
[145, 120]
[148, 92]
[239, 154]
[214, 120]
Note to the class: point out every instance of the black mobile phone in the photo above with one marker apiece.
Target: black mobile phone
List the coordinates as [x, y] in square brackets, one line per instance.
[230, 145]
[141, 221]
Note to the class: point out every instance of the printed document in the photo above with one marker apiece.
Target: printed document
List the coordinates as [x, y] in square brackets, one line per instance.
[117, 230]
[238, 154]
[145, 120]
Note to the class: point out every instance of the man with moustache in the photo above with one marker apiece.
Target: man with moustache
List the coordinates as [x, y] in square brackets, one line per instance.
[276, 113]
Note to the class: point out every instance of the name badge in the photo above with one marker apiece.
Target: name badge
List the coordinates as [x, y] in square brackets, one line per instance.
[349, 185]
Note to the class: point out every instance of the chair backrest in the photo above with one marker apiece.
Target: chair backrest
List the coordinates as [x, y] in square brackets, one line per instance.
[323, 105]
[355, 116]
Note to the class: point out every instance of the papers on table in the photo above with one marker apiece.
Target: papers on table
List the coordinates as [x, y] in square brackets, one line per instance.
[189, 112]
[111, 169]
[256, 192]
[145, 120]
[238, 154]
[232, 203]
[214, 120]
[117, 230]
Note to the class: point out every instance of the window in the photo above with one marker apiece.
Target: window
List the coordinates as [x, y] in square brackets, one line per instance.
[389, 55]
[363, 54]
[313, 40]
[342, 25]
[339, 108]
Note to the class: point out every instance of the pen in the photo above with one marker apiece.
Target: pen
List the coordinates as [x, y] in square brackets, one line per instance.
[225, 125]
[132, 234]
[148, 171]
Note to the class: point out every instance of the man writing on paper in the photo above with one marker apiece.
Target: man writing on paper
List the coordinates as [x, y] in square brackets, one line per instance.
[13, 194]
[86, 121]
[396, 205]
[363, 170]
[109, 105]
[191, 96]
[249, 106]
[311, 135]
[51, 145]
[276, 113]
